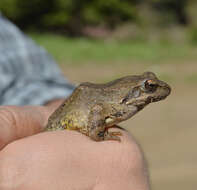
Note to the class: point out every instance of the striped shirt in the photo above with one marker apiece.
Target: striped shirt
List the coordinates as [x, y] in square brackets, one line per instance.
[28, 75]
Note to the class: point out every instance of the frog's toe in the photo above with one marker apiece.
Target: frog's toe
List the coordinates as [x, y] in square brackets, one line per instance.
[118, 133]
[113, 136]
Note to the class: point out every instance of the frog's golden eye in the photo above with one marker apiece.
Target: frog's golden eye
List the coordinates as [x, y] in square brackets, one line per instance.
[149, 85]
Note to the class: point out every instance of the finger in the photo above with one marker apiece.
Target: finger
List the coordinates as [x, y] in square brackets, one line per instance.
[18, 122]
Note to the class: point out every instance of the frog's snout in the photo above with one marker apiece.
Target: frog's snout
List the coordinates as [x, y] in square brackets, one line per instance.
[166, 89]
[163, 91]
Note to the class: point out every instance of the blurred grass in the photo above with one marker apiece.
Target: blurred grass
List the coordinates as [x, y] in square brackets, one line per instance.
[192, 78]
[80, 50]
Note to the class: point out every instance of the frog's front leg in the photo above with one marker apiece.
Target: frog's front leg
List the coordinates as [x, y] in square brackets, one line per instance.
[98, 130]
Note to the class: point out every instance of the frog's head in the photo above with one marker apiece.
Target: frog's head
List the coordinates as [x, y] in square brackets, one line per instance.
[144, 89]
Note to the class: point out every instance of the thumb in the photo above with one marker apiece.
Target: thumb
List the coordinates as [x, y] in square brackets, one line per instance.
[18, 122]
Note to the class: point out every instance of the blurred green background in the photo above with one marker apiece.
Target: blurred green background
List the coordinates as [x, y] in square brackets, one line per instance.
[101, 40]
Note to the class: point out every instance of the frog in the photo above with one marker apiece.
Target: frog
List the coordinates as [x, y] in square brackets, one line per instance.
[92, 109]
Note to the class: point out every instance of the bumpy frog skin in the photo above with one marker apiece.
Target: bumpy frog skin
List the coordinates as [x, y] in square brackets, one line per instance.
[94, 108]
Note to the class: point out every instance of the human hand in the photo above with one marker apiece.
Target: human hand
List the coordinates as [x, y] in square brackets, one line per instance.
[63, 159]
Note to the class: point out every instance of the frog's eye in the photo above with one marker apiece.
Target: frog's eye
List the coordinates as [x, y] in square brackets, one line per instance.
[149, 85]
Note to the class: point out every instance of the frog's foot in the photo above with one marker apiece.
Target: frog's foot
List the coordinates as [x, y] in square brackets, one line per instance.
[113, 136]
[105, 135]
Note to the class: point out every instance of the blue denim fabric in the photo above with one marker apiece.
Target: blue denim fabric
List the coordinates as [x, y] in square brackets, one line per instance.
[28, 74]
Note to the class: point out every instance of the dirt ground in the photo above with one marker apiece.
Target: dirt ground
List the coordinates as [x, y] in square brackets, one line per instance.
[166, 131]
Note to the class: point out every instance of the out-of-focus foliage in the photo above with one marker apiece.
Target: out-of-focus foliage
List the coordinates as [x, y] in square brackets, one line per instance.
[175, 9]
[74, 15]
[68, 13]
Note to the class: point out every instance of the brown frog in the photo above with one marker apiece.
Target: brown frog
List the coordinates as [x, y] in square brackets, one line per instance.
[94, 108]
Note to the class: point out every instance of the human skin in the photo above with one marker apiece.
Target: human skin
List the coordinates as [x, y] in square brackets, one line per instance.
[63, 159]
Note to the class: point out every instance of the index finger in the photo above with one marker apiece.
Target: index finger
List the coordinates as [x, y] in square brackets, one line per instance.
[18, 122]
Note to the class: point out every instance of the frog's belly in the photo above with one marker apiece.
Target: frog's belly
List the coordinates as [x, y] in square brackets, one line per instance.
[72, 122]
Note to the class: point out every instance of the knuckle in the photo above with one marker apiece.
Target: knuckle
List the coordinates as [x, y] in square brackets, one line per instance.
[7, 115]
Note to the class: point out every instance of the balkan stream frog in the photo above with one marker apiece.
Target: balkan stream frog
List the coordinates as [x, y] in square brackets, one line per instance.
[94, 108]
